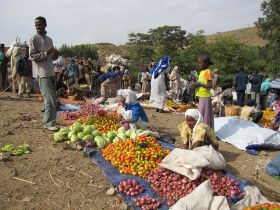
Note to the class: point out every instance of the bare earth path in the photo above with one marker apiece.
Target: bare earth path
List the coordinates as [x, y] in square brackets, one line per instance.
[67, 179]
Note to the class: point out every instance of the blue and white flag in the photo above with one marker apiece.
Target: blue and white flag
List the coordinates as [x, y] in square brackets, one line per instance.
[160, 66]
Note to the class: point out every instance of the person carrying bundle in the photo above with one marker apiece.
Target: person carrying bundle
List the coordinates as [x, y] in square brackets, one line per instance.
[24, 70]
[158, 86]
[108, 81]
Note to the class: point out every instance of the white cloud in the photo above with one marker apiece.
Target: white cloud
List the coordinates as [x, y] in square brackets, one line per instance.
[89, 21]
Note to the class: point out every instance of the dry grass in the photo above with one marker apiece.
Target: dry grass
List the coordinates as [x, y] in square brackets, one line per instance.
[245, 35]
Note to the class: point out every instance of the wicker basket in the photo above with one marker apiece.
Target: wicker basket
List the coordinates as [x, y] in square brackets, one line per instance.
[231, 110]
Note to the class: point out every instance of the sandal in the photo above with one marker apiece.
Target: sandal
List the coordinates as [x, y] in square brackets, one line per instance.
[162, 111]
[53, 128]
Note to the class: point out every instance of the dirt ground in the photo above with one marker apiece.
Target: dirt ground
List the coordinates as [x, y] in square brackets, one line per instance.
[53, 178]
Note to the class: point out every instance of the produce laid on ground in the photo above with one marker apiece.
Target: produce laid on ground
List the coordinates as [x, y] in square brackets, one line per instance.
[130, 187]
[172, 186]
[89, 133]
[268, 116]
[137, 157]
[264, 206]
[185, 107]
[84, 112]
[171, 104]
[20, 150]
[147, 202]
[103, 123]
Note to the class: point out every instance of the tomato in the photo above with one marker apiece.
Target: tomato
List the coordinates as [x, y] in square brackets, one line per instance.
[130, 158]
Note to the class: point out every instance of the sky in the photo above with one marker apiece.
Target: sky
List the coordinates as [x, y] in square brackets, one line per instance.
[94, 21]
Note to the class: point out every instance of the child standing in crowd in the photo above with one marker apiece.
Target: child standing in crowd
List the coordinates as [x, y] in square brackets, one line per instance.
[126, 79]
[203, 87]
[146, 85]
[24, 70]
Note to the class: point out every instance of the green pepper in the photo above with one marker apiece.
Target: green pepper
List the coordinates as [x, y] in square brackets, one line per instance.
[7, 148]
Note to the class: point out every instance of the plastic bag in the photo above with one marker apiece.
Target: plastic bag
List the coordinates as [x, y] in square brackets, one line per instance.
[273, 167]
[150, 133]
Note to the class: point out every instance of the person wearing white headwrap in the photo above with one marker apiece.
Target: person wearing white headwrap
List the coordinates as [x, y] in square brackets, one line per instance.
[195, 133]
[133, 112]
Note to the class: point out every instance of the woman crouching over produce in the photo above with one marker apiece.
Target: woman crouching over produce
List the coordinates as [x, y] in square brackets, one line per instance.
[133, 113]
[195, 133]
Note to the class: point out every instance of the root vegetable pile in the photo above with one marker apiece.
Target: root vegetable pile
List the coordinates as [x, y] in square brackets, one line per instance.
[85, 111]
[172, 186]
[131, 158]
[147, 202]
[130, 187]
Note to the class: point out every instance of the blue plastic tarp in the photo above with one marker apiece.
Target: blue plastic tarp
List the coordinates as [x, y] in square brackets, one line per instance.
[69, 107]
[273, 167]
[113, 175]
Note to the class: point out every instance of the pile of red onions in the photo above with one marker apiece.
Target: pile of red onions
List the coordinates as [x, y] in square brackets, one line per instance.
[70, 115]
[130, 187]
[85, 111]
[172, 186]
[147, 202]
[222, 185]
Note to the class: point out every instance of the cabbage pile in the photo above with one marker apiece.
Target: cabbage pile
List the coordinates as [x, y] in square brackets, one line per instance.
[78, 132]
[124, 134]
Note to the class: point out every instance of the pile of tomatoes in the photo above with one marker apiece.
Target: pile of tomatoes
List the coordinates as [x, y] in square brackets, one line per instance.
[138, 157]
[264, 206]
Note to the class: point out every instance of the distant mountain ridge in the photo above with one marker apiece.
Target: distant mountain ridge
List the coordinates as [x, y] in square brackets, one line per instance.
[245, 35]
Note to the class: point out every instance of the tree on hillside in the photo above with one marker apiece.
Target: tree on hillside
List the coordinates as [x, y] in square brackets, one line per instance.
[157, 42]
[186, 58]
[229, 54]
[80, 51]
[168, 38]
[269, 26]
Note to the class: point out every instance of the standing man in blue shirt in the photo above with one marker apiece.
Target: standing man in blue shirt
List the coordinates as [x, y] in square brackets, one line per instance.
[42, 54]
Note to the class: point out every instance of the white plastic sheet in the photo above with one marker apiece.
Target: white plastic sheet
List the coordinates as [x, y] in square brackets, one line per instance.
[242, 133]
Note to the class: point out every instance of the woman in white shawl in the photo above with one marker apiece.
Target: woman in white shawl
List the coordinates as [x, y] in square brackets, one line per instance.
[133, 113]
[195, 133]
